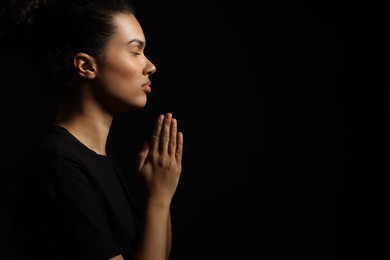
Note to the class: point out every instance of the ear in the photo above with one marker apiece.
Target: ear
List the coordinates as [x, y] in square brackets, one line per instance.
[85, 65]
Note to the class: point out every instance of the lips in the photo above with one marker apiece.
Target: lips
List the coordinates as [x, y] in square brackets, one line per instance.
[147, 87]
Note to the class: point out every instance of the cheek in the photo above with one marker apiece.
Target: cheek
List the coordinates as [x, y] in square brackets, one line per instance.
[123, 69]
[120, 74]
[121, 84]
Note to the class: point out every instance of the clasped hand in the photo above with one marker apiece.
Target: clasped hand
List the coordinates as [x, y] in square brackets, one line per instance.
[159, 163]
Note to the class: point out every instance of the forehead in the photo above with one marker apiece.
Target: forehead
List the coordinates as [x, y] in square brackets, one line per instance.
[127, 28]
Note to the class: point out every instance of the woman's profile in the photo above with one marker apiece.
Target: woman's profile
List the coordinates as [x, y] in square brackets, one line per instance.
[72, 200]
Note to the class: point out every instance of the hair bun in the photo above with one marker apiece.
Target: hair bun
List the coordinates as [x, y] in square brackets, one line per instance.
[15, 17]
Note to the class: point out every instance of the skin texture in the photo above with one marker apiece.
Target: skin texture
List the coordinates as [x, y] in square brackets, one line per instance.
[119, 84]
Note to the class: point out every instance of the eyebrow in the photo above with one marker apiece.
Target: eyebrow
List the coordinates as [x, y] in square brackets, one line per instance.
[141, 43]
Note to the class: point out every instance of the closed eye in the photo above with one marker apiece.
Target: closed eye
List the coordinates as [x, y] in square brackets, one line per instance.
[136, 46]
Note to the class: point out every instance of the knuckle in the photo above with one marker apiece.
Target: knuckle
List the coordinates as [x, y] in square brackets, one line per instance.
[154, 156]
[162, 161]
[165, 162]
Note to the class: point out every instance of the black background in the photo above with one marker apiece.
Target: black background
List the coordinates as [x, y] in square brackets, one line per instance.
[278, 152]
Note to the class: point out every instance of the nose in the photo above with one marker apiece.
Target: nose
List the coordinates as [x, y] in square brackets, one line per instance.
[150, 68]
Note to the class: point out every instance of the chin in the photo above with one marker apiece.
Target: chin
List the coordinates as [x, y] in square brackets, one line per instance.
[133, 106]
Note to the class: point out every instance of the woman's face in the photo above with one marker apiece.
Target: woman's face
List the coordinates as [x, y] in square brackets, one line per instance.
[123, 77]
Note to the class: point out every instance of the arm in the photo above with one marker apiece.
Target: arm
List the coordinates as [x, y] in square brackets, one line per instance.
[159, 166]
[153, 243]
[169, 236]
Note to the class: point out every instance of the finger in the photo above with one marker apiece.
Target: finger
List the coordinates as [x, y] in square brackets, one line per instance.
[172, 137]
[154, 142]
[142, 156]
[164, 136]
[179, 146]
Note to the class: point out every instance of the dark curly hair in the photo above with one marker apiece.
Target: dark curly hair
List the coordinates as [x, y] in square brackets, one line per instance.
[51, 32]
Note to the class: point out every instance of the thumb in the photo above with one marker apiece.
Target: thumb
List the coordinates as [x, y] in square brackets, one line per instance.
[141, 157]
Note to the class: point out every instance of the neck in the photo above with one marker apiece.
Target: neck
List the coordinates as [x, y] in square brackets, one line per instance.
[89, 124]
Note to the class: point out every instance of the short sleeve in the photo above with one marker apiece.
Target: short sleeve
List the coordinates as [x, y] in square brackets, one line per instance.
[73, 208]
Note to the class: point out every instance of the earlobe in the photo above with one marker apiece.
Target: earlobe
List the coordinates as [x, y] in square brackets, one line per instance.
[85, 65]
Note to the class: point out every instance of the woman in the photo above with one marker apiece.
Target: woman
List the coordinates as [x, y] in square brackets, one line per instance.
[72, 201]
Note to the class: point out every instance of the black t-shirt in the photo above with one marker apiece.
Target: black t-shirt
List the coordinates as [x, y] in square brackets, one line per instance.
[73, 203]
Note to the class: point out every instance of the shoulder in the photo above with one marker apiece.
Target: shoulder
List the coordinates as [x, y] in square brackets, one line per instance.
[55, 156]
[52, 150]
[58, 146]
